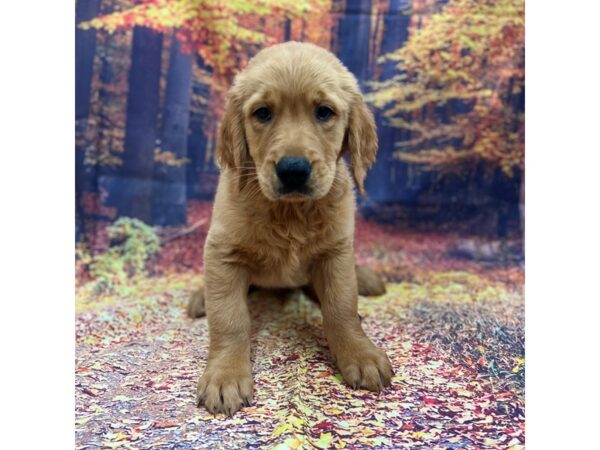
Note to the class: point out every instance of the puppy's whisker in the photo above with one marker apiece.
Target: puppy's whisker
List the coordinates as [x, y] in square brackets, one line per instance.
[245, 173]
[244, 166]
[247, 177]
[255, 190]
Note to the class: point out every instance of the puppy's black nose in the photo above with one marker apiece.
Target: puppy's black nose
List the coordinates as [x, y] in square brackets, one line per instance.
[293, 171]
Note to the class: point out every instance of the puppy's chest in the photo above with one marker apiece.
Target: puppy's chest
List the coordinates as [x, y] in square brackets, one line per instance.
[282, 256]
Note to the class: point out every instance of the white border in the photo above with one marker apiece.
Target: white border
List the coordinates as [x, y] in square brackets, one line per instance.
[37, 223]
[562, 224]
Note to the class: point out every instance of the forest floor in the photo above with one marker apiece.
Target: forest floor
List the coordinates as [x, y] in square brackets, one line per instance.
[453, 327]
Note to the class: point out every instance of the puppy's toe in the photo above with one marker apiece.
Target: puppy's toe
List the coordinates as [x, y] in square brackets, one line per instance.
[352, 375]
[211, 398]
[371, 379]
[195, 307]
[224, 391]
[368, 369]
[245, 390]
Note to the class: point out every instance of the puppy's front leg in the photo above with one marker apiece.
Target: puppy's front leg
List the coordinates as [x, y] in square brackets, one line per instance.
[360, 362]
[226, 384]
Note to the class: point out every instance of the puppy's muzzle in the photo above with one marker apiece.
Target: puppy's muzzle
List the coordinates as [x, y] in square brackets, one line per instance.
[293, 172]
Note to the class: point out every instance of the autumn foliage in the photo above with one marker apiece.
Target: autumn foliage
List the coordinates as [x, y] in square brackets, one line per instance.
[225, 35]
[459, 82]
[220, 31]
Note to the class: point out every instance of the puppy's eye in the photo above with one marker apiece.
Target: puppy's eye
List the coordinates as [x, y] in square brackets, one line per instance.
[324, 113]
[263, 114]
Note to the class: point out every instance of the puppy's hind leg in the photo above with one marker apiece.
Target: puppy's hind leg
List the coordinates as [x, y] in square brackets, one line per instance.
[369, 282]
[196, 307]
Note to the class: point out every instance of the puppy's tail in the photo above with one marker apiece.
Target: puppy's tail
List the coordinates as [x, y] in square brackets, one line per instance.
[369, 282]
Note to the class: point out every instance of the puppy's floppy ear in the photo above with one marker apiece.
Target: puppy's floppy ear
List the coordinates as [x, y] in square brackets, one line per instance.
[361, 140]
[232, 150]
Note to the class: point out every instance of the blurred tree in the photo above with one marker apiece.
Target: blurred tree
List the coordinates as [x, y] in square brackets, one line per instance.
[222, 35]
[105, 134]
[386, 180]
[169, 187]
[470, 58]
[355, 38]
[130, 186]
[287, 30]
[216, 29]
[101, 141]
[199, 137]
[85, 49]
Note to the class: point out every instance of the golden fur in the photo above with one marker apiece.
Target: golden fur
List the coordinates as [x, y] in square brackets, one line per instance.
[262, 238]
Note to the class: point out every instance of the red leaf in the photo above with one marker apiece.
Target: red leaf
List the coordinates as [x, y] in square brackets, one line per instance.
[166, 424]
[88, 392]
[292, 357]
[430, 400]
[324, 425]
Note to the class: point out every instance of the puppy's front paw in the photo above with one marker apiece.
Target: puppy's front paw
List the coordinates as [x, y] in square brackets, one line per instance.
[225, 390]
[365, 367]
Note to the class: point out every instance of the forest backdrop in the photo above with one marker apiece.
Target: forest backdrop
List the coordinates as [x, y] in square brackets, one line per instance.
[442, 222]
[445, 80]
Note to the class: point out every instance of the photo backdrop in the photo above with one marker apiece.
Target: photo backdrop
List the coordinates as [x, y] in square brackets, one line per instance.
[442, 221]
[445, 82]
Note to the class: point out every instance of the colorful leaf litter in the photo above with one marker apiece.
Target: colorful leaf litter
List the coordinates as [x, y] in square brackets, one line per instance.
[454, 334]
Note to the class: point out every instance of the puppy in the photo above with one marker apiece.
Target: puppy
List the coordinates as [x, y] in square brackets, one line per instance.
[283, 215]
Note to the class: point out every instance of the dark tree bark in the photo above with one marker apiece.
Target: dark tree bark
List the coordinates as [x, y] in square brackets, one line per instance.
[169, 188]
[197, 144]
[130, 187]
[85, 50]
[197, 139]
[384, 182]
[287, 30]
[354, 38]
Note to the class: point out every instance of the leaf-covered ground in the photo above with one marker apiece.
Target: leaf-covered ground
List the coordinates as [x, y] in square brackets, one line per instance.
[453, 329]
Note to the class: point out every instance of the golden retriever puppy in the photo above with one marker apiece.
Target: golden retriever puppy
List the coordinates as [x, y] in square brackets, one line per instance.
[283, 215]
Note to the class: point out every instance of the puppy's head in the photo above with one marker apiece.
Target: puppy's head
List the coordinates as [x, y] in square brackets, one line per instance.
[290, 115]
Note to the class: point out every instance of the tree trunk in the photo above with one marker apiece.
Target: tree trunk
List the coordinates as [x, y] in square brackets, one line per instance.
[130, 188]
[197, 143]
[354, 38]
[85, 50]
[197, 139]
[287, 29]
[385, 181]
[169, 187]
[522, 205]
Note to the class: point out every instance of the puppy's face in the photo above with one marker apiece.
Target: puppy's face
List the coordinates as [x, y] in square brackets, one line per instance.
[295, 138]
[290, 116]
